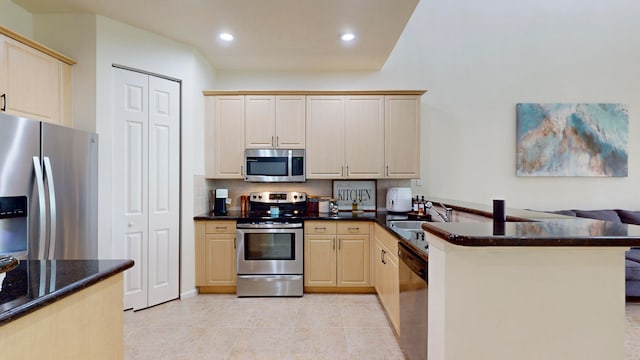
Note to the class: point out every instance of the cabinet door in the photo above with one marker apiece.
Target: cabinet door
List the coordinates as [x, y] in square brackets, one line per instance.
[393, 290]
[224, 141]
[402, 136]
[320, 260]
[325, 137]
[215, 253]
[220, 260]
[29, 81]
[387, 282]
[379, 272]
[353, 260]
[260, 121]
[290, 122]
[364, 136]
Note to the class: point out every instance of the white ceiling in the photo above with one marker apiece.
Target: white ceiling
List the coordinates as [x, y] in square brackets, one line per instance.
[292, 35]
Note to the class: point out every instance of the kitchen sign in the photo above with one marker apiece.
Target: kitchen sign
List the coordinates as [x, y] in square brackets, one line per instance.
[360, 193]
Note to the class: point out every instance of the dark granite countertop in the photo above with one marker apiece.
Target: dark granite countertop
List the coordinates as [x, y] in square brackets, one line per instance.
[523, 228]
[548, 232]
[34, 284]
[345, 215]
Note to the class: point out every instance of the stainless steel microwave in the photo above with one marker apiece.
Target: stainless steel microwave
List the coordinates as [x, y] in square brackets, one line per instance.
[274, 165]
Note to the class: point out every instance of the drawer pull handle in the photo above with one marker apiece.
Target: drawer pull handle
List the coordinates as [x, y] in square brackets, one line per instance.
[221, 228]
[320, 228]
[354, 228]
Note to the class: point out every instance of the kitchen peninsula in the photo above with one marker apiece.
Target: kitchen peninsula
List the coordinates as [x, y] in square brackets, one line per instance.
[63, 309]
[532, 289]
[540, 286]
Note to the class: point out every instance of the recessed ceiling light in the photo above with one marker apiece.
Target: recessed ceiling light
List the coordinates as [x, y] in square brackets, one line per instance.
[226, 36]
[347, 37]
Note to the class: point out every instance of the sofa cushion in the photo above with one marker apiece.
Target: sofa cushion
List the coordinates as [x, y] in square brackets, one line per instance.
[606, 215]
[565, 212]
[633, 254]
[631, 271]
[629, 217]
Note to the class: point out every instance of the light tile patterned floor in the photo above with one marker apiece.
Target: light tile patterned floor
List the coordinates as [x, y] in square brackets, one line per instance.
[315, 326]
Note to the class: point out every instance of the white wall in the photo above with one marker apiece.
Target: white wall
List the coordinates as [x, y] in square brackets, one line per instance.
[478, 60]
[97, 43]
[16, 18]
[124, 45]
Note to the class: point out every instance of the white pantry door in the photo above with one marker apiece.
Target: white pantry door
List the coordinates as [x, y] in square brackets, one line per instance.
[146, 173]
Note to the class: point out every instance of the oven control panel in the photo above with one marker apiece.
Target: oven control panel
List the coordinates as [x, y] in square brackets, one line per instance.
[278, 197]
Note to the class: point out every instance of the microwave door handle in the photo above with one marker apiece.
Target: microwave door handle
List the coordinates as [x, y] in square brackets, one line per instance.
[37, 168]
[52, 205]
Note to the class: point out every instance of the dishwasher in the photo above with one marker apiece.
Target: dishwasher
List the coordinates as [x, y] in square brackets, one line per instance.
[413, 279]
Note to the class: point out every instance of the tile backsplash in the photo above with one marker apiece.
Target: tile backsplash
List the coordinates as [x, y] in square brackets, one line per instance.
[203, 187]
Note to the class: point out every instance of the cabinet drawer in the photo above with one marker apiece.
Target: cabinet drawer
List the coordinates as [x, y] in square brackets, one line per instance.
[319, 227]
[353, 228]
[220, 227]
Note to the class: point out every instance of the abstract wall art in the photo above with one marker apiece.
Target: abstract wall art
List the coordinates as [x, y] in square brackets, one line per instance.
[572, 140]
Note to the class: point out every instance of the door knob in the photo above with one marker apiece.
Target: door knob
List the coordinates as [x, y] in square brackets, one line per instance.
[130, 224]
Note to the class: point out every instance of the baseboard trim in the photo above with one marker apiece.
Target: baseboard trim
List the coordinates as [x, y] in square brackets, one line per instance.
[189, 294]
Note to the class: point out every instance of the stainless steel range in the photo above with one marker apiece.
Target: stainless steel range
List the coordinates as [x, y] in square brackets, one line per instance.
[270, 245]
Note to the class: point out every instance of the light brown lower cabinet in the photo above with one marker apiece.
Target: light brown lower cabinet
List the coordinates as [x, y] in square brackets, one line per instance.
[386, 267]
[216, 256]
[337, 255]
[88, 324]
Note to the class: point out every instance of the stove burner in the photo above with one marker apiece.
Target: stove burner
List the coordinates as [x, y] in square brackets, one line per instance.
[277, 206]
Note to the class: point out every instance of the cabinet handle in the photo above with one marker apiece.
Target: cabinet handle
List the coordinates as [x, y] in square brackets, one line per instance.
[387, 170]
[4, 102]
[277, 141]
[354, 228]
[272, 143]
[221, 228]
[234, 242]
[334, 243]
[382, 256]
[320, 228]
[347, 170]
[339, 243]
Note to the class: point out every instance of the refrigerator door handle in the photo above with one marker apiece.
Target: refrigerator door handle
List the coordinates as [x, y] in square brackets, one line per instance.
[52, 206]
[41, 206]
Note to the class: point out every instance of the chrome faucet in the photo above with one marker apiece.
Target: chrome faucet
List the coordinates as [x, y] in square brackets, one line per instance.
[448, 212]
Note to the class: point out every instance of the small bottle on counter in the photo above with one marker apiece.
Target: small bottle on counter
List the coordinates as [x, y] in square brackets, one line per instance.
[421, 206]
[414, 204]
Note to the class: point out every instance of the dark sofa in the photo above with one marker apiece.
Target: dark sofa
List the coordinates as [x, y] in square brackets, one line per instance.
[632, 257]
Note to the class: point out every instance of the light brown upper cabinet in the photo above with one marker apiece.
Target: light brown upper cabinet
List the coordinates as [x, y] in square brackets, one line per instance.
[402, 136]
[275, 121]
[34, 81]
[345, 136]
[369, 134]
[224, 136]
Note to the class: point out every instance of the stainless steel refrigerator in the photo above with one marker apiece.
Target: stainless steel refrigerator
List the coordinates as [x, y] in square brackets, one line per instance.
[56, 168]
